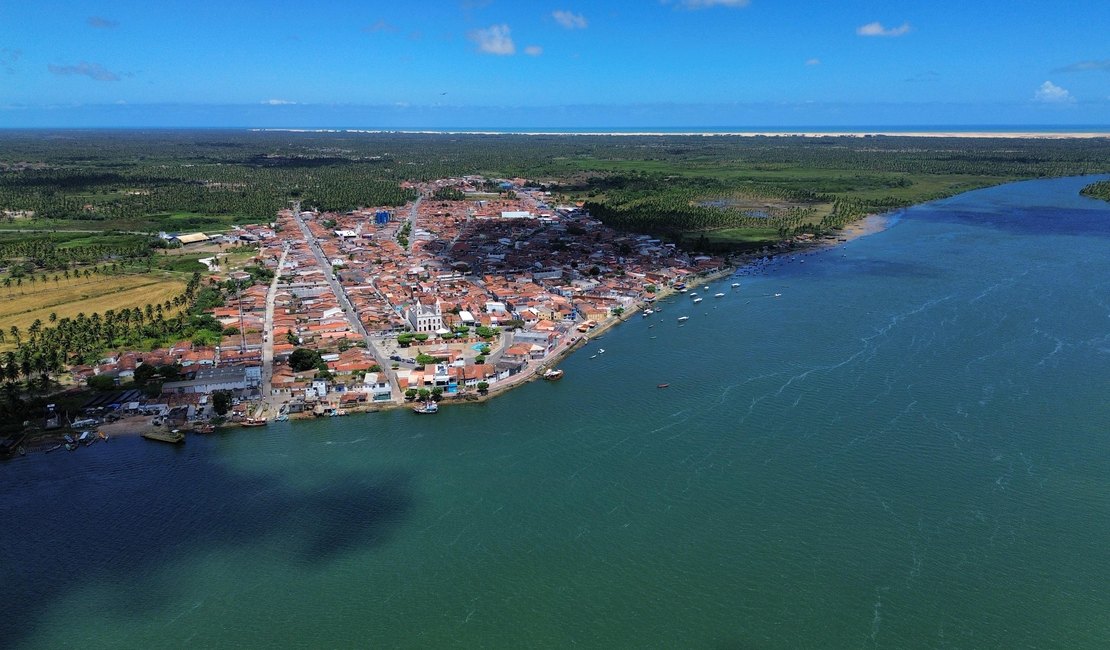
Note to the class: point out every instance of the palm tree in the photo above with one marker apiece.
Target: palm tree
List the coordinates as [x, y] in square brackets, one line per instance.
[53, 315]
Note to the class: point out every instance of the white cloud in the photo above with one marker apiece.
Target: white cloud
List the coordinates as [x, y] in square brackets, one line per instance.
[278, 102]
[533, 50]
[570, 20]
[813, 61]
[495, 39]
[99, 22]
[1086, 66]
[1050, 93]
[93, 71]
[876, 29]
[705, 4]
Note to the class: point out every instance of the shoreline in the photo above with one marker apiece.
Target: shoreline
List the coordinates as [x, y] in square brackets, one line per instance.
[1039, 135]
[867, 225]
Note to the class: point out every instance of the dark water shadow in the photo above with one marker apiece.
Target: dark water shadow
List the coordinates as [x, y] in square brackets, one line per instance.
[1038, 207]
[120, 533]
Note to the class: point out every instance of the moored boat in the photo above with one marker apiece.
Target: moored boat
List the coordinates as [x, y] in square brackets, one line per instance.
[553, 374]
[718, 295]
[161, 435]
[697, 300]
[426, 408]
[254, 422]
[683, 318]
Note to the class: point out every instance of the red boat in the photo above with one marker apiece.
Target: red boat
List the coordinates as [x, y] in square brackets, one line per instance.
[254, 422]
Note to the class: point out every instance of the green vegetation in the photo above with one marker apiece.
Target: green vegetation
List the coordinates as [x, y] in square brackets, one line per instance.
[713, 192]
[1099, 190]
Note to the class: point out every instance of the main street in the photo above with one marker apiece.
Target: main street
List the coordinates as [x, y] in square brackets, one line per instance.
[268, 333]
[346, 306]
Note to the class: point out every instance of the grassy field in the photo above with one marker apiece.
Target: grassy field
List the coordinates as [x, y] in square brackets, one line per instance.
[98, 294]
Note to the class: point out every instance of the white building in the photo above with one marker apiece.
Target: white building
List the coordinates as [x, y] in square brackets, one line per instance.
[425, 318]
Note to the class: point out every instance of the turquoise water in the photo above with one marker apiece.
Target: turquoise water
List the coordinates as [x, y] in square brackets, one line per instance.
[910, 447]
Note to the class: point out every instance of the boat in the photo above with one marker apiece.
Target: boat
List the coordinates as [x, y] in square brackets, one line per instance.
[735, 285]
[593, 356]
[54, 448]
[697, 300]
[601, 350]
[553, 375]
[706, 287]
[84, 437]
[103, 436]
[204, 428]
[694, 295]
[70, 446]
[661, 385]
[68, 438]
[648, 312]
[254, 422]
[426, 408]
[161, 435]
[718, 295]
[683, 318]
[777, 295]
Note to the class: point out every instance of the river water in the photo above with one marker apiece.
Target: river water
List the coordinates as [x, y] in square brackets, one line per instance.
[909, 447]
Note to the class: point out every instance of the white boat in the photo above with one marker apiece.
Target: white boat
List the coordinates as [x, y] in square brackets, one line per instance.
[777, 295]
[706, 287]
[683, 318]
[694, 295]
[601, 350]
[697, 300]
[648, 312]
[735, 284]
[718, 295]
[427, 408]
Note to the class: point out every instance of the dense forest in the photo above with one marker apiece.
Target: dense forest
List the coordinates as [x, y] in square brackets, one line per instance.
[1099, 190]
[671, 185]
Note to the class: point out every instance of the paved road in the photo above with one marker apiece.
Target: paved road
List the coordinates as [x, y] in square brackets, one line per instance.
[348, 308]
[268, 334]
[412, 220]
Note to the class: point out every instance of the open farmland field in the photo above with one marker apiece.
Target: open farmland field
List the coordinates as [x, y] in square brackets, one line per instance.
[98, 294]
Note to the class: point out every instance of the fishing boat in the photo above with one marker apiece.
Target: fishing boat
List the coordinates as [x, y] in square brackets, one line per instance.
[661, 385]
[254, 422]
[174, 436]
[718, 295]
[426, 408]
[553, 374]
[682, 319]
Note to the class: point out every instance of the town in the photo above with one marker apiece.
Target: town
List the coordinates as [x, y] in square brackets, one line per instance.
[474, 287]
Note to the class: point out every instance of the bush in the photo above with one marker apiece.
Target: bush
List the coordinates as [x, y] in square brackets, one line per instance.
[411, 393]
[483, 386]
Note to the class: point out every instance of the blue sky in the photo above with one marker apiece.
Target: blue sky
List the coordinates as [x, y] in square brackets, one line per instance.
[496, 63]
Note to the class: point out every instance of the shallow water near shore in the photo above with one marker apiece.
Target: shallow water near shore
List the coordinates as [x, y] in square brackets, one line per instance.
[910, 446]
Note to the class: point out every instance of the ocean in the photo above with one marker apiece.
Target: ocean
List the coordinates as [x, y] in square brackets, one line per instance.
[903, 441]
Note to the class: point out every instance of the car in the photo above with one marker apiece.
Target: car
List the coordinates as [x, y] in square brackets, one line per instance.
[395, 357]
